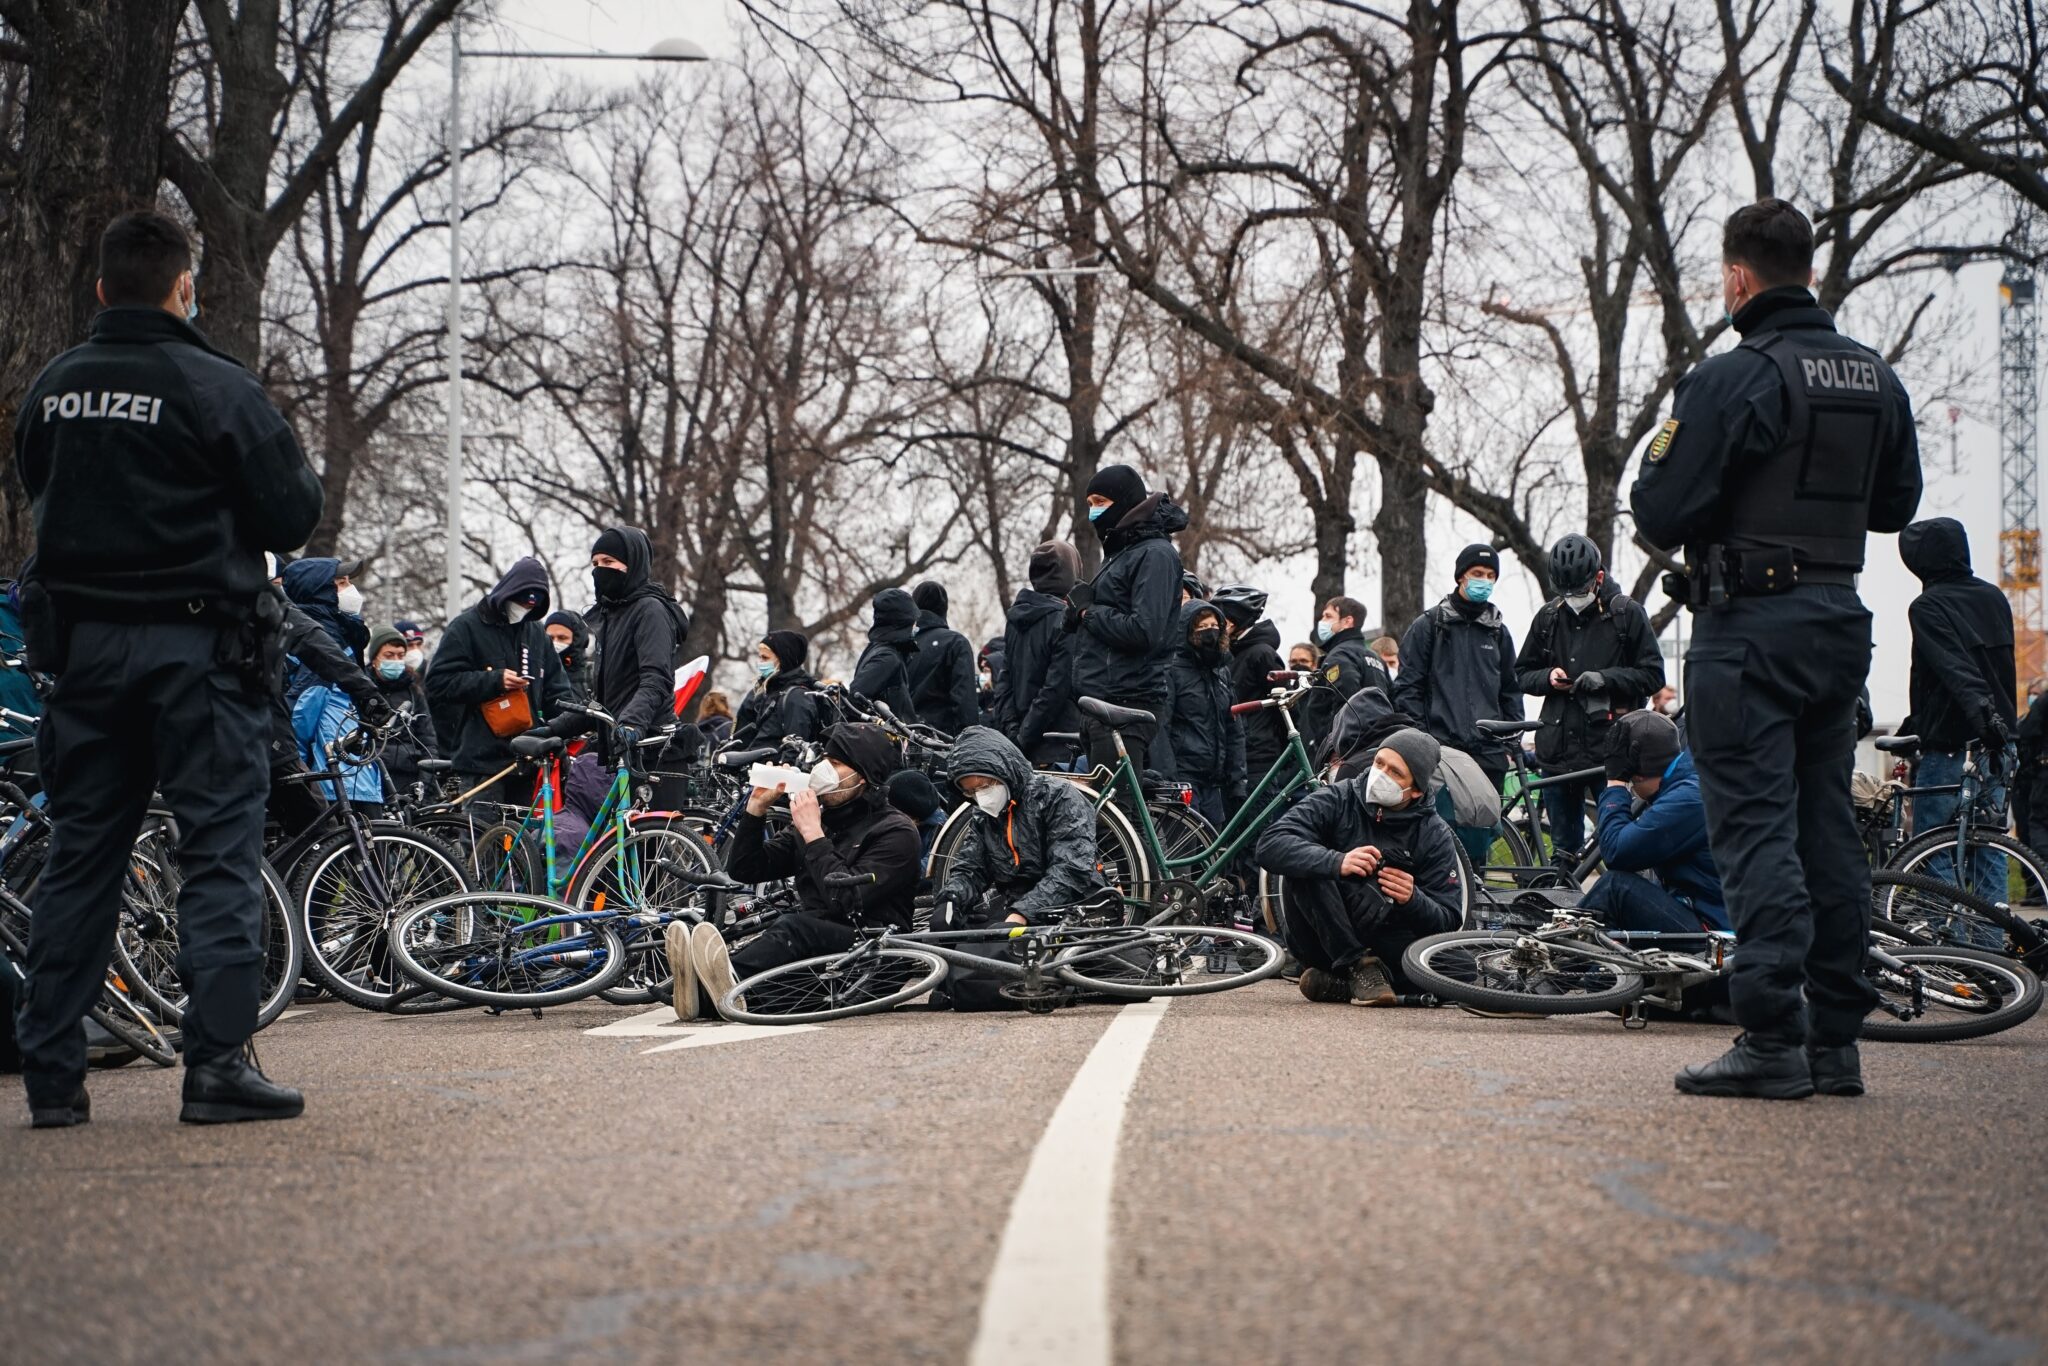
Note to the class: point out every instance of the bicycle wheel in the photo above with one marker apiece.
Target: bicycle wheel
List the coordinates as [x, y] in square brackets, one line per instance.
[1496, 970]
[146, 936]
[122, 1015]
[1934, 911]
[2017, 873]
[862, 981]
[1142, 961]
[348, 899]
[638, 879]
[491, 853]
[1120, 856]
[1949, 994]
[510, 949]
[1509, 850]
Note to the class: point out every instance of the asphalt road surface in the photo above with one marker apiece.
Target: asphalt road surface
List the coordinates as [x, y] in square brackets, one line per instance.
[1238, 1178]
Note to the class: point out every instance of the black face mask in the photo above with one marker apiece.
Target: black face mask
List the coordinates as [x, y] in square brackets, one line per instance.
[1210, 641]
[609, 583]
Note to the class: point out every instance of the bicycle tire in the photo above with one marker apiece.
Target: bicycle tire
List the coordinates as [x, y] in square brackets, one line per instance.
[881, 979]
[1433, 964]
[121, 1015]
[2019, 992]
[491, 853]
[1120, 856]
[1929, 907]
[347, 947]
[1916, 855]
[468, 940]
[632, 874]
[1170, 968]
[146, 939]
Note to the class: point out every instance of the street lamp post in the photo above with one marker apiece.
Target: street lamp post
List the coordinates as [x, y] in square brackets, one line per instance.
[667, 50]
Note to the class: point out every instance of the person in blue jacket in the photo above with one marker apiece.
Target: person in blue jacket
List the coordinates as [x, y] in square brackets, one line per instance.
[1666, 835]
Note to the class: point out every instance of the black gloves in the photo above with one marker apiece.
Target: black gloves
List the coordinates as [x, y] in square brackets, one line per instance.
[1620, 763]
[375, 712]
[1590, 681]
[1994, 735]
[1071, 622]
[628, 737]
[1082, 594]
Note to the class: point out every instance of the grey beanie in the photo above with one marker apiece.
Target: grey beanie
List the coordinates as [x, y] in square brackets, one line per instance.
[1420, 751]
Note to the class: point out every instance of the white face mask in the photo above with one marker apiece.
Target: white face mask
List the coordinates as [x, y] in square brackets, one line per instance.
[1670, 708]
[561, 646]
[517, 612]
[824, 777]
[1382, 790]
[414, 658]
[1578, 602]
[993, 799]
[349, 600]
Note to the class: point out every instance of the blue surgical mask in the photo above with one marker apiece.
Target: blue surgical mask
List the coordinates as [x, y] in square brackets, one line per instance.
[391, 669]
[1095, 514]
[1727, 317]
[1323, 632]
[1478, 590]
[192, 309]
[767, 668]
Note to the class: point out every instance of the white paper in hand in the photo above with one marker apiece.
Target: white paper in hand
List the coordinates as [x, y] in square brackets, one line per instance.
[778, 775]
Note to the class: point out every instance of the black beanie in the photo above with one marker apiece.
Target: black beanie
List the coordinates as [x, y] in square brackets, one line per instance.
[930, 596]
[791, 647]
[1120, 484]
[913, 794]
[612, 543]
[1476, 555]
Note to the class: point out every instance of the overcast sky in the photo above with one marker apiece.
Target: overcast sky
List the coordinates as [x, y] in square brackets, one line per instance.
[1967, 490]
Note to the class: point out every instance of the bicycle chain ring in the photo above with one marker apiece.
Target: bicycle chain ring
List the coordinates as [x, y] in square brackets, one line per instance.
[1187, 901]
[1046, 999]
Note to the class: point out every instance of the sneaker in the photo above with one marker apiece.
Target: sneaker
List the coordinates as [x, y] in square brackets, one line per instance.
[1369, 984]
[1324, 988]
[709, 956]
[688, 1000]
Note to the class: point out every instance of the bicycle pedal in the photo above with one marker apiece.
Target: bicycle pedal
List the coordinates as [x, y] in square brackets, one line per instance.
[1635, 1016]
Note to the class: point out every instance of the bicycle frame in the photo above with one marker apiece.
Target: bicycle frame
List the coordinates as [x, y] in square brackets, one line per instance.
[1526, 810]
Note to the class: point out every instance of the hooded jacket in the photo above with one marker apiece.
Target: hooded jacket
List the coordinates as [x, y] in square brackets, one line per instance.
[1126, 632]
[1612, 637]
[1311, 839]
[1041, 850]
[309, 586]
[1458, 669]
[1255, 655]
[1348, 664]
[865, 835]
[1199, 741]
[466, 669]
[1367, 719]
[639, 635]
[1667, 837]
[1963, 672]
[882, 673]
[943, 684]
[1035, 692]
[780, 706]
[575, 659]
[311, 650]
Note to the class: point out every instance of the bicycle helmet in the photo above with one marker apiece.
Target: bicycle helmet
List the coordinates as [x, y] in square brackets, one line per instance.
[1648, 741]
[1574, 561]
[1241, 602]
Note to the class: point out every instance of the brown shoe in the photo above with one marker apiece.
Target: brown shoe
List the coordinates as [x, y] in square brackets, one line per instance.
[1369, 985]
[1324, 988]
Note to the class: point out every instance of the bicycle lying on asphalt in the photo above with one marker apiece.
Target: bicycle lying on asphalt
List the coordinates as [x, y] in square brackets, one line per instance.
[1576, 966]
[1047, 966]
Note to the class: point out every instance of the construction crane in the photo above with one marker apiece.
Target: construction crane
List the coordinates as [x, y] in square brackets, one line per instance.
[2019, 453]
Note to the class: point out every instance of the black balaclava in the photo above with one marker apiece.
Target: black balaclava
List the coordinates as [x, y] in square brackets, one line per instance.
[1124, 488]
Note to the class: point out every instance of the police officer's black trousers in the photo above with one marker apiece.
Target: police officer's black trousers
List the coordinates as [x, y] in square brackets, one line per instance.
[142, 708]
[1770, 695]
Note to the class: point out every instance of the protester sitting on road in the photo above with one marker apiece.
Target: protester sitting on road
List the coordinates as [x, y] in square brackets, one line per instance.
[780, 705]
[1200, 743]
[882, 673]
[1303, 657]
[915, 796]
[569, 633]
[413, 738]
[843, 823]
[1370, 869]
[1030, 851]
[1652, 820]
[496, 655]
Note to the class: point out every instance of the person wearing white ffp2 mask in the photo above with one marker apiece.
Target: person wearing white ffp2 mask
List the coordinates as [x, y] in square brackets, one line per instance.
[1029, 848]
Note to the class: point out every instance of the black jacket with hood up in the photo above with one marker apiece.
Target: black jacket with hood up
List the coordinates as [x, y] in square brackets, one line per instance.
[943, 680]
[1035, 692]
[466, 670]
[576, 659]
[1041, 850]
[1311, 839]
[1963, 672]
[1199, 741]
[1127, 627]
[1612, 638]
[1254, 656]
[866, 835]
[639, 636]
[882, 673]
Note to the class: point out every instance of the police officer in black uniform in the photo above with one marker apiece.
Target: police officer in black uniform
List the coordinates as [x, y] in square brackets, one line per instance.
[159, 473]
[1779, 456]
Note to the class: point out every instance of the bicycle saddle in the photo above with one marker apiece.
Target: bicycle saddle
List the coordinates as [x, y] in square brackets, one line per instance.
[1898, 744]
[533, 746]
[1506, 728]
[1115, 716]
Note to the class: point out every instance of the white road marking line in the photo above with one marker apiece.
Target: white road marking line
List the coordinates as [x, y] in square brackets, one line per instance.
[661, 1023]
[1047, 1299]
[292, 1013]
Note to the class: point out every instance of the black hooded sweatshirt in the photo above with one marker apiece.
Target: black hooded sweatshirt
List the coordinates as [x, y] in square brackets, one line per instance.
[1199, 741]
[639, 633]
[466, 670]
[780, 707]
[1127, 627]
[1035, 693]
[943, 679]
[883, 671]
[1962, 640]
[575, 659]
[1254, 656]
[864, 835]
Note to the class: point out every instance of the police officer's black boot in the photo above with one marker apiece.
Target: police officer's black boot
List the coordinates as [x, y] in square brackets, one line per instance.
[229, 1089]
[43, 1114]
[1836, 1071]
[1769, 1069]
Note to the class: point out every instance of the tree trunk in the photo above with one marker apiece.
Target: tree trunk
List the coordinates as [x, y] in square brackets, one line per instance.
[341, 428]
[1398, 528]
[1334, 525]
[98, 91]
